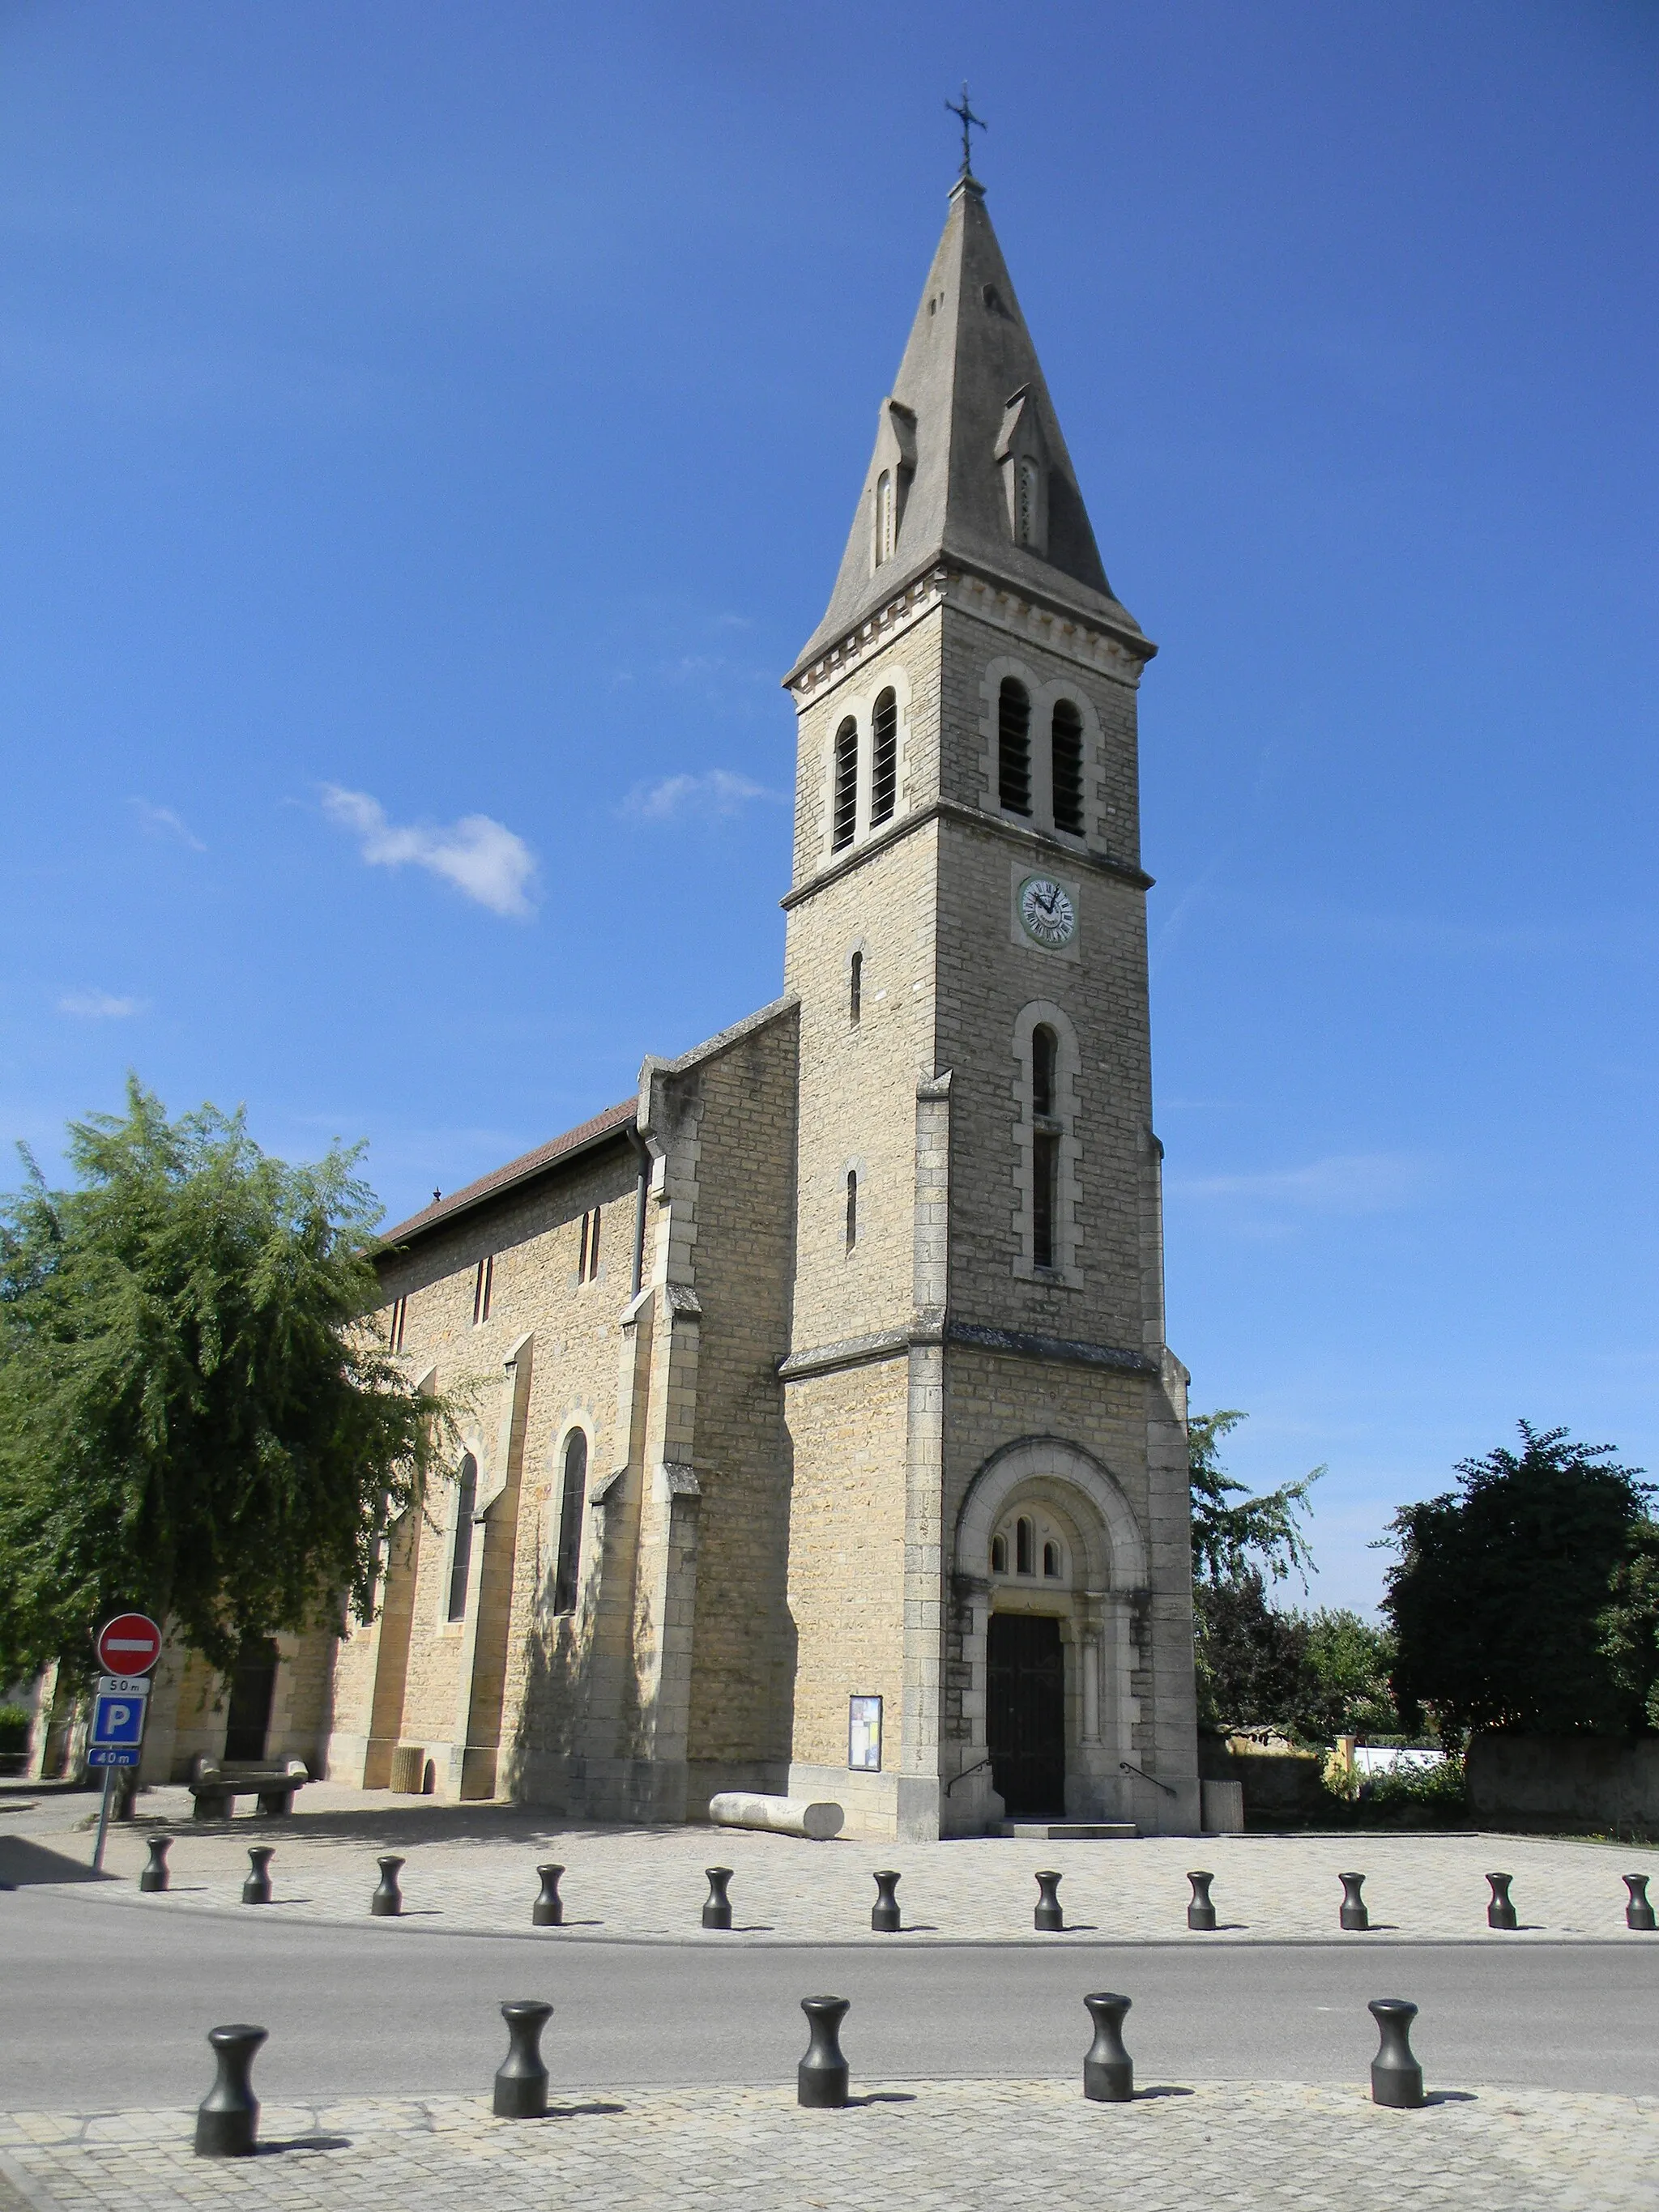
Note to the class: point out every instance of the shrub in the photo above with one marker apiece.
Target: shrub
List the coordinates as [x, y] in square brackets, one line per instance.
[14, 1727]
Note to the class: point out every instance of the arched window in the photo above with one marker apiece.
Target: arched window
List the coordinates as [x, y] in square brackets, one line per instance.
[1023, 1546]
[998, 1555]
[1014, 747]
[570, 1522]
[852, 1207]
[846, 784]
[1025, 520]
[1051, 1561]
[856, 990]
[884, 759]
[886, 530]
[460, 1556]
[1045, 1144]
[1045, 1054]
[1067, 735]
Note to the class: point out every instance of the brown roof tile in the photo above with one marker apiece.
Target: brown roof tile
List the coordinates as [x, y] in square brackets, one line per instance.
[611, 1123]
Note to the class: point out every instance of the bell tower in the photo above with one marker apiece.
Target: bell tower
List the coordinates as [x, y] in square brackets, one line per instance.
[988, 1527]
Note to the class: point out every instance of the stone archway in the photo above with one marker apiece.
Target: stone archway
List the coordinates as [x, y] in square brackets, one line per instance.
[1048, 1545]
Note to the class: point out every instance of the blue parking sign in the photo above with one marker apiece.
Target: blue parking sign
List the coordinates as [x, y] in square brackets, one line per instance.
[118, 1721]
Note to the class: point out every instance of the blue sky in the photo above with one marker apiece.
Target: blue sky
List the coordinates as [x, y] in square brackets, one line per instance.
[431, 432]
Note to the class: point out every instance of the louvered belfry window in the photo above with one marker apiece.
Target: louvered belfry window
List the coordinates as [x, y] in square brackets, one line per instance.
[883, 761]
[1014, 747]
[846, 784]
[1069, 768]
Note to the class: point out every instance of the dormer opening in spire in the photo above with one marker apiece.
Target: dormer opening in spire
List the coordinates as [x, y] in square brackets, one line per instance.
[895, 465]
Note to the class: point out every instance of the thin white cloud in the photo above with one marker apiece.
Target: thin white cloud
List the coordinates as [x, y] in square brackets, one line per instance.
[718, 791]
[163, 821]
[479, 856]
[100, 1006]
[1350, 1183]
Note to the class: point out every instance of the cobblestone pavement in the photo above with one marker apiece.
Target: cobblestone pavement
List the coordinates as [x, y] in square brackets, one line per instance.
[472, 1867]
[957, 2146]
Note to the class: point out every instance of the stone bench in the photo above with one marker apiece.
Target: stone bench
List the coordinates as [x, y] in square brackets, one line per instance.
[215, 1785]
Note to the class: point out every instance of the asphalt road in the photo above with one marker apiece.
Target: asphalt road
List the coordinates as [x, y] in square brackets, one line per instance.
[104, 2006]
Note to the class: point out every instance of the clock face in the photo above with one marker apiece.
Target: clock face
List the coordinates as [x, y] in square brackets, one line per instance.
[1046, 911]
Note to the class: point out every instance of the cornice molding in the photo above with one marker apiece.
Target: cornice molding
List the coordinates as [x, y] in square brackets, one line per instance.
[972, 817]
[893, 1343]
[1120, 653]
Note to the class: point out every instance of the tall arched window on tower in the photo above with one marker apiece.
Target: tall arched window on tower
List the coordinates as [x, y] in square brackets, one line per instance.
[887, 518]
[847, 786]
[1067, 741]
[852, 1207]
[1045, 1144]
[1014, 747]
[884, 758]
[570, 1522]
[460, 1551]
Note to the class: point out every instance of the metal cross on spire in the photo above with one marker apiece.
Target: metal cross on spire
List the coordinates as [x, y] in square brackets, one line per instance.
[970, 122]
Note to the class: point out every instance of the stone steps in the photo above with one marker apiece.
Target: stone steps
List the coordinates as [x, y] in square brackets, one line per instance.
[1067, 1832]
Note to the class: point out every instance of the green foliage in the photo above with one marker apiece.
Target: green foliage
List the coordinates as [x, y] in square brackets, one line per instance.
[1630, 1621]
[1233, 1540]
[1313, 1676]
[192, 1419]
[14, 1727]
[1500, 1599]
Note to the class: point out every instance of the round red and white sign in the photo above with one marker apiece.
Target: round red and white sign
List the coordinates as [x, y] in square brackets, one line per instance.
[129, 1644]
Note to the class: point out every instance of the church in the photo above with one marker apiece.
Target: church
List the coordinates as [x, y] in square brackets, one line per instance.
[823, 1437]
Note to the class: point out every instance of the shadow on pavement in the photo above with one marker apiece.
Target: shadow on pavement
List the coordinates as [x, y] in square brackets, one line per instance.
[27, 1865]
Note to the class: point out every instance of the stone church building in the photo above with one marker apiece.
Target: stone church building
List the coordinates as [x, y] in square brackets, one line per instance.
[825, 1438]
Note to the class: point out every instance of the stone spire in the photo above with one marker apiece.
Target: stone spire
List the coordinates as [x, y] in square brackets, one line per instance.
[970, 453]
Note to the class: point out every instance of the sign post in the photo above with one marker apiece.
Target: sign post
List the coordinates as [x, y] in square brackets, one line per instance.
[128, 1647]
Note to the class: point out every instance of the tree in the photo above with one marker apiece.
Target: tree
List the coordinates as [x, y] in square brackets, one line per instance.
[1249, 1657]
[1229, 1540]
[1630, 1621]
[193, 1419]
[1500, 1598]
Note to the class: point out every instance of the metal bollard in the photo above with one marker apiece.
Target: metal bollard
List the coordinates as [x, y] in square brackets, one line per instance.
[548, 1911]
[227, 2117]
[154, 1876]
[884, 1912]
[1396, 2077]
[717, 1905]
[387, 1902]
[1500, 1913]
[1638, 1914]
[1047, 1918]
[1109, 2072]
[821, 2078]
[521, 2080]
[1353, 1915]
[1201, 1913]
[256, 1890]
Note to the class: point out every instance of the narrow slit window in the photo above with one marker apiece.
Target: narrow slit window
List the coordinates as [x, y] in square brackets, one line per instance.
[483, 1284]
[885, 517]
[998, 1555]
[852, 1208]
[884, 759]
[460, 1558]
[1051, 1561]
[1045, 1053]
[399, 1322]
[1026, 520]
[847, 786]
[582, 1255]
[594, 1246]
[856, 990]
[570, 1522]
[1014, 747]
[1068, 769]
[1022, 1545]
[1045, 1179]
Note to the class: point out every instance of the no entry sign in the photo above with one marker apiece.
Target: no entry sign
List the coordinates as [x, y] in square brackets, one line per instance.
[129, 1644]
